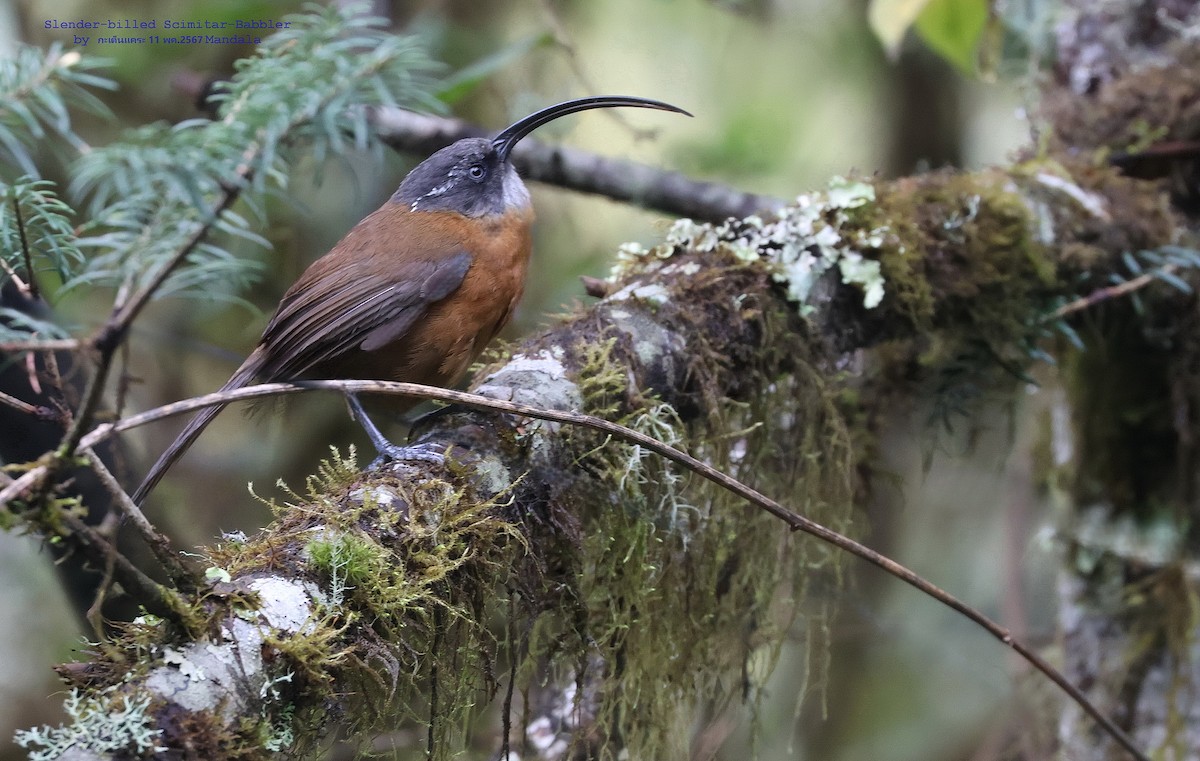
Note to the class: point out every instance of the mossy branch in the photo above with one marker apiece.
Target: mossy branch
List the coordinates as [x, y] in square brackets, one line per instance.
[789, 517]
[699, 339]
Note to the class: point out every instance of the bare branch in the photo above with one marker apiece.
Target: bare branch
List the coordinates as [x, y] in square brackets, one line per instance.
[650, 187]
[17, 404]
[27, 482]
[159, 544]
[44, 344]
[152, 595]
[149, 593]
[112, 334]
[1111, 292]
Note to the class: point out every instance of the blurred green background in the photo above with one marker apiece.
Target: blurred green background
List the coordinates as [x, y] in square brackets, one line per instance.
[785, 94]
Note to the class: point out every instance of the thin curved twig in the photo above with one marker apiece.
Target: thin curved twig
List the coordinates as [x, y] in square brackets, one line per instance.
[794, 520]
[43, 344]
[1110, 292]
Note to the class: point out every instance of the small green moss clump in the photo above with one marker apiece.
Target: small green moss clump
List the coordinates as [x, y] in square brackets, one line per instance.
[964, 263]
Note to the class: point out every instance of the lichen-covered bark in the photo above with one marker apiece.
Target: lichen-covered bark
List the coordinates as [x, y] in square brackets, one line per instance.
[1126, 462]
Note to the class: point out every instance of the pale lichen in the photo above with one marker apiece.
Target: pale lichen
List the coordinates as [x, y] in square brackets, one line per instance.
[279, 729]
[799, 243]
[111, 723]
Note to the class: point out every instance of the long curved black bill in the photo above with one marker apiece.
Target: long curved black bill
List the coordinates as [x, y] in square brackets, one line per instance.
[505, 141]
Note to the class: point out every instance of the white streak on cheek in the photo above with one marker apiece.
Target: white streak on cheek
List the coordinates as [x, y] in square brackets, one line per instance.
[439, 190]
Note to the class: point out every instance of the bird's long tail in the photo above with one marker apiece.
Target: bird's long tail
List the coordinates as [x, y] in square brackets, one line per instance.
[241, 377]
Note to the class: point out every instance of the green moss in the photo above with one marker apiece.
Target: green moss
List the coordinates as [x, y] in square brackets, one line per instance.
[347, 560]
[963, 257]
[1165, 612]
[1146, 104]
[396, 562]
[601, 380]
[685, 586]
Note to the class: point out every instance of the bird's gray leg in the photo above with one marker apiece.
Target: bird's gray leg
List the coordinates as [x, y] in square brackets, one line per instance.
[386, 449]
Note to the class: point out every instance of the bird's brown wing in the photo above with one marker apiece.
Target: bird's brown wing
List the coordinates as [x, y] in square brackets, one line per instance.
[322, 318]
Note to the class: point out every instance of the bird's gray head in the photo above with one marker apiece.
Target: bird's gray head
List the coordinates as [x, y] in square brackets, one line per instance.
[468, 177]
[474, 176]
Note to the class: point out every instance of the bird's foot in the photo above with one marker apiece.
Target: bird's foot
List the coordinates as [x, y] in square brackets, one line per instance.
[389, 452]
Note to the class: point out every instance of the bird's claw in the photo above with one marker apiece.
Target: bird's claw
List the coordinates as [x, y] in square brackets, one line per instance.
[428, 452]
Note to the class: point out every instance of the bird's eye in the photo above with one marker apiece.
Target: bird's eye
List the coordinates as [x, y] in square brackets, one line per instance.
[476, 171]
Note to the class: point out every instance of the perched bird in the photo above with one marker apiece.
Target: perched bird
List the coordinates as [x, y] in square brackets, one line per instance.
[414, 291]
